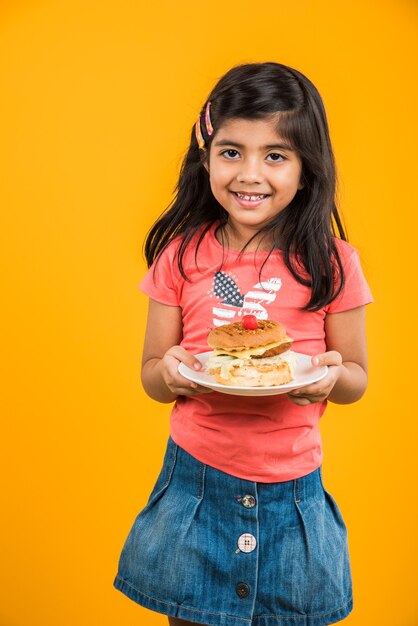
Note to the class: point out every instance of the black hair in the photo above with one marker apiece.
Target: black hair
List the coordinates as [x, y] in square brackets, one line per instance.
[306, 229]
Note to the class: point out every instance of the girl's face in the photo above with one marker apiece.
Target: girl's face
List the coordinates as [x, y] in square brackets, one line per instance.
[253, 173]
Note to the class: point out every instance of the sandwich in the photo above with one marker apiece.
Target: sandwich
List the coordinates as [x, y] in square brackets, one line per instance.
[251, 353]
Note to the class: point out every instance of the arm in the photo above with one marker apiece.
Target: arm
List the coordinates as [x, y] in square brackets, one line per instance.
[162, 355]
[346, 358]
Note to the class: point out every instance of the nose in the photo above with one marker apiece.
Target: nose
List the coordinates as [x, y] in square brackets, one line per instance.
[250, 172]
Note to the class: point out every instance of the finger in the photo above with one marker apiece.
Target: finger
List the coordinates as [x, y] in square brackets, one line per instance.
[179, 385]
[327, 358]
[313, 393]
[300, 401]
[184, 391]
[307, 390]
[322, 387]
[185, 357]
[190, 386]
[315, 389]
[201, 389]
[192, 391]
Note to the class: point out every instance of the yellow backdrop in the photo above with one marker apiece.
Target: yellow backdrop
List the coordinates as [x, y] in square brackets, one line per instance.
[98, 99]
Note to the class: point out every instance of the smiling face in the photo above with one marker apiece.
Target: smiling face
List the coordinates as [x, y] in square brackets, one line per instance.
[254, 174]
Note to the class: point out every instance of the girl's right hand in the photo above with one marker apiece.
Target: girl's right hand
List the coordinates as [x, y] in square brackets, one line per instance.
[176, 383]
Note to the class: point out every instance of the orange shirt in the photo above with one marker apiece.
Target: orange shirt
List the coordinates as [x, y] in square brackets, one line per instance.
[264, 438]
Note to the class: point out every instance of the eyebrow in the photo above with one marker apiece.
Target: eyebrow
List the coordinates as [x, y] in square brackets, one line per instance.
[273, 146]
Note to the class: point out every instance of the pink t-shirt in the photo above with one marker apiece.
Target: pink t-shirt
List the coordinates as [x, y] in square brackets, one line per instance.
[265, 438]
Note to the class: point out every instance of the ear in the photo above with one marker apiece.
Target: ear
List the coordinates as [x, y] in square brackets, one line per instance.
[301, 184]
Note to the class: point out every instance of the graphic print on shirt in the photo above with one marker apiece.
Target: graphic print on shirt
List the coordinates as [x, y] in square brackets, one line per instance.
[234, 304]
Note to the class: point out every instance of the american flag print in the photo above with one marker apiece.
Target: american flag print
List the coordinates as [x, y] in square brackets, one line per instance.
[233, 304]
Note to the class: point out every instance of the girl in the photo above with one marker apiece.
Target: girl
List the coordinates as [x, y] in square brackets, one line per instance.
[238, 528]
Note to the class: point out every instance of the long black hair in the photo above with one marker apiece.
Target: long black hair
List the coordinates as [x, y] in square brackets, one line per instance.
[306, 229]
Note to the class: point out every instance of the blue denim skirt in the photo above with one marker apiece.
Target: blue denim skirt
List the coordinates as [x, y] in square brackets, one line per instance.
[214, 549]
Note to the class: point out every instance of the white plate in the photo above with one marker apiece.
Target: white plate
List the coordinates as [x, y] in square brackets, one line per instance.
[305, 374]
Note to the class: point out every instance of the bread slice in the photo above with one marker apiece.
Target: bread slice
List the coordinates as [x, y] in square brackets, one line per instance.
[267, 372]
[235, 337]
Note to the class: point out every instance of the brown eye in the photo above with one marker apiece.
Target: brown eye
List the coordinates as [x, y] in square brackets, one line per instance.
[230, 154]
[275, 156]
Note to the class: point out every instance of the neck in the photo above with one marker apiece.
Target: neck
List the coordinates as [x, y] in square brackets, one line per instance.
[236, 237]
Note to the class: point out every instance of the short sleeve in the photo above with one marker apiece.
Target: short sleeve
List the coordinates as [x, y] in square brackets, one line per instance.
[356, 291]
[161, 282]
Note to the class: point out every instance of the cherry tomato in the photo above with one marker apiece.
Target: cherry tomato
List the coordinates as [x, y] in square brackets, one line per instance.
[250, 322]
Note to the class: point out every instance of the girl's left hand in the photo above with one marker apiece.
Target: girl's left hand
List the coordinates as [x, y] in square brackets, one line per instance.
[318, 392]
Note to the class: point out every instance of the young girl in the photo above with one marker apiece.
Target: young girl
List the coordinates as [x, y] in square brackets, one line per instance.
[238, 528]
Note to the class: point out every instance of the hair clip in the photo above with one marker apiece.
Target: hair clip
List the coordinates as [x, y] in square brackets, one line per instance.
[208, 124]
[208, 121]
[198, 132]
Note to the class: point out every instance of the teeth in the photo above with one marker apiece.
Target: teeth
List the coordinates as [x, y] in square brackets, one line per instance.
[243, 197]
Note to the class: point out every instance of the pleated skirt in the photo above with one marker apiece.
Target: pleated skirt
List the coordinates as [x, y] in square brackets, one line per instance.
[214, 549]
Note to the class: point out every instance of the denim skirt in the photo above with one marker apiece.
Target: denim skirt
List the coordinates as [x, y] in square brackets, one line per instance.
[214, 549]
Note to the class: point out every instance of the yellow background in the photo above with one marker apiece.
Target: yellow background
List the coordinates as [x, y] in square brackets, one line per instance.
[97, 102]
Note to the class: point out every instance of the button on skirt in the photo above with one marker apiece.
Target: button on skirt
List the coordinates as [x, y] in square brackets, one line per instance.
[214, 549]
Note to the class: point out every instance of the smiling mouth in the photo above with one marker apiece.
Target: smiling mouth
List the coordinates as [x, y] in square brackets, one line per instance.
[251, 197]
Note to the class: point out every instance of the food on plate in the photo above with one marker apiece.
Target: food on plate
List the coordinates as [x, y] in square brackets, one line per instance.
[251, 353]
